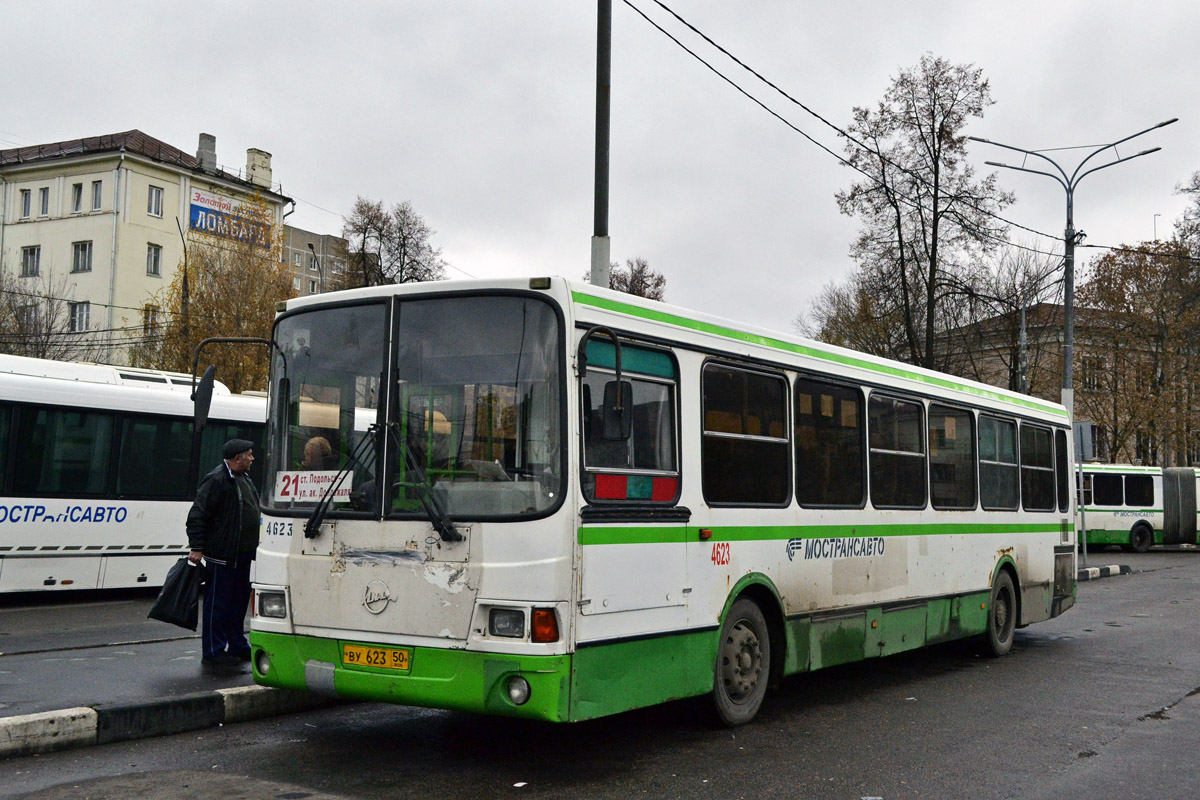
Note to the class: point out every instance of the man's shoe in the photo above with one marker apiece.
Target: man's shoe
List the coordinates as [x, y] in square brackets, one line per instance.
[243, 656]
[221, 660]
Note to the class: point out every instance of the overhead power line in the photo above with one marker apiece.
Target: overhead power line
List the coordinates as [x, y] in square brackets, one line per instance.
[840, 131]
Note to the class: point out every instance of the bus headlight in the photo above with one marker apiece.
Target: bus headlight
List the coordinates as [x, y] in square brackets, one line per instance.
[507, 622]
[518, 690]
[272, 604]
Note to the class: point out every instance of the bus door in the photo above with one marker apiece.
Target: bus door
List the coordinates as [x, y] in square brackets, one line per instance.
[1179, 505]
[631, 531]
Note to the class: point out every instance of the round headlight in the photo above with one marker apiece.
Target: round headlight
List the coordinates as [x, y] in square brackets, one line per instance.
[518, 690]
[262, 662]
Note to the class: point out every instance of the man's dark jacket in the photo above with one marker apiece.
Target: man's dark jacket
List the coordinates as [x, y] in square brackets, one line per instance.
[215, 520]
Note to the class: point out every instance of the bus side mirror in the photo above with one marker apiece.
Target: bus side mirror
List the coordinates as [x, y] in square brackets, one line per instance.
[617, 409]
[203, 397]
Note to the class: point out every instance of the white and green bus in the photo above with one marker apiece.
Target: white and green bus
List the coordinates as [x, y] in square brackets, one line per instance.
[1137, 507]
[555, 501]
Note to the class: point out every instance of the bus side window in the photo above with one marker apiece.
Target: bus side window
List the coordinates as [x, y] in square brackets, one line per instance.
[1139, 491]
[896, 434]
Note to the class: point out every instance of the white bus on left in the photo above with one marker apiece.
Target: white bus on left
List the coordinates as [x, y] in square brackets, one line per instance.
[94, 471]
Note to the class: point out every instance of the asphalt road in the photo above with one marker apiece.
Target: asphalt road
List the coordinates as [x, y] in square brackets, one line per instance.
[1099, 703]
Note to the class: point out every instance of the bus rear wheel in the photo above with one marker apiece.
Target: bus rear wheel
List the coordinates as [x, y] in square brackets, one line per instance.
[1140, 538]
[743, 664]
[1001, 616]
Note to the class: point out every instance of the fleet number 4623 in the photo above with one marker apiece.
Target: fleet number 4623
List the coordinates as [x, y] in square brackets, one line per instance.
[720, 553]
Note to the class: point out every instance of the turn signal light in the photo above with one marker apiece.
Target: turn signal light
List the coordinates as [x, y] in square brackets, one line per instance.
[545, 625]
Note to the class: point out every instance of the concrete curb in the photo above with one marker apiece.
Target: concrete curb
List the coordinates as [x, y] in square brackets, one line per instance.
[120, 722]
[1092, 573]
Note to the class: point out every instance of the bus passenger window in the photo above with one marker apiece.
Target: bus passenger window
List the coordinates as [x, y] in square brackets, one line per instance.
[951, 458]
[999, 489]
[830, 446]
[1139, 491]
[644, 466]
[1037, 468]
[1108, 490]
[897, 453]
[1061, 468]
[744, 451]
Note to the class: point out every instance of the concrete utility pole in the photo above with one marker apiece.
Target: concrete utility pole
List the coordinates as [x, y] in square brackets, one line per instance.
[600, 241]
[1070, 236]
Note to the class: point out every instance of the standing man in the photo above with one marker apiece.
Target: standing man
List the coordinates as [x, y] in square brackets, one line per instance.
[222, 527]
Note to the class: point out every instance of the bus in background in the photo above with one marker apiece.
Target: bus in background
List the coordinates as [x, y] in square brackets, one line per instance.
[94, 471]
[1137, 507]
[572, 502]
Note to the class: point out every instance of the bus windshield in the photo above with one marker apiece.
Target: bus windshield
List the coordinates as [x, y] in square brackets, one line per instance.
[471, 419]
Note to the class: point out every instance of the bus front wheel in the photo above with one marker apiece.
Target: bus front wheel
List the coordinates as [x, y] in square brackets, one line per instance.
[1140, 538]
[1001, 616]
[743, 664]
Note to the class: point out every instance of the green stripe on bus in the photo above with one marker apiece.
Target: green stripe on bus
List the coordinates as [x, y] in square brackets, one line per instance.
[805, 350]
[680, 534]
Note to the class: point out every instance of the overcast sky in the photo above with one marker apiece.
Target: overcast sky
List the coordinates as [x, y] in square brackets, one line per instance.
[481, 114]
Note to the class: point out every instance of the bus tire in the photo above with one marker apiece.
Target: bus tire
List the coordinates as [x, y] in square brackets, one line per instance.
[1140, 538]
[1001, 616]
[743, 664]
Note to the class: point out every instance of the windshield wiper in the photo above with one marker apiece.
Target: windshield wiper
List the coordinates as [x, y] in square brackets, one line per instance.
[429, 501]
[312, 528]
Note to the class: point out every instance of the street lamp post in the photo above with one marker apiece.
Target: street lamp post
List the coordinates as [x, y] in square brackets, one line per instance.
[320, 269]
[1070, 236]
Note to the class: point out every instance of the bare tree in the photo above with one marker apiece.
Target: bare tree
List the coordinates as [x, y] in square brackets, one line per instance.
[637, 278]
[389, 245]
[1017, 299]
[36, 321]
[924, 215]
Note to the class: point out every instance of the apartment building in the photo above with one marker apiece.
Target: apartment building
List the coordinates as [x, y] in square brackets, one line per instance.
[104, 218]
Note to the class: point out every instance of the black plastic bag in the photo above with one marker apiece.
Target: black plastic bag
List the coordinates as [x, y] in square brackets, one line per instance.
[178, 600]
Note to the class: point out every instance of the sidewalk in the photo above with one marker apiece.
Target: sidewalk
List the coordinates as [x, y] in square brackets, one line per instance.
[124, 678]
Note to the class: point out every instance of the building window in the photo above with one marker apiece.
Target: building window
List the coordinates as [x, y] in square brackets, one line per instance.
[26, 203]
[296, 260]
[312, 287]
[154, 202]
[296, 284]
[77, 198]
[28, 317]
[153, 260]
[31, 259]
[81, 257]
[80, 316]
[150, 319]
[312, 263]
[96, 194]
[44, 201]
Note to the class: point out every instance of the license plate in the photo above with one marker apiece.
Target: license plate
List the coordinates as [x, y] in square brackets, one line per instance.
[381, 657]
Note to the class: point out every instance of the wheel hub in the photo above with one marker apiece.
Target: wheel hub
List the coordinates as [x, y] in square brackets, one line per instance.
[741, 662]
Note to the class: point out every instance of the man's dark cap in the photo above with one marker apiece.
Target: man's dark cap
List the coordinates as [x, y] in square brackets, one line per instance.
[235, 446]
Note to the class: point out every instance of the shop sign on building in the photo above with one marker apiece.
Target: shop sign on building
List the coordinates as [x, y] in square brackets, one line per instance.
[222, 216]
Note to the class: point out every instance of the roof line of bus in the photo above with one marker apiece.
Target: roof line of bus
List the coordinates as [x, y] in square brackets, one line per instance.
[593, 297]
[584, 295]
